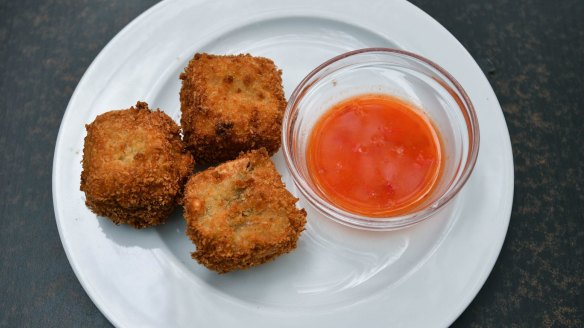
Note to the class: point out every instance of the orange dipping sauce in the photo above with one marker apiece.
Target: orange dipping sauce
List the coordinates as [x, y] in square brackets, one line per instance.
[375, 155]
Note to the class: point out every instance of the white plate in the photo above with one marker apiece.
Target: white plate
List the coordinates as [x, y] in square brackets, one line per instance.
[338, 277]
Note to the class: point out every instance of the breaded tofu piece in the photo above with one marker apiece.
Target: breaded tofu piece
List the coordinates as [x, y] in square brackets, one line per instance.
[134, 166]
[231, 104]
[239, 214]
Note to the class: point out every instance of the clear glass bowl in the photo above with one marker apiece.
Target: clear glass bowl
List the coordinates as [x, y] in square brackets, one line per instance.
[400, 74]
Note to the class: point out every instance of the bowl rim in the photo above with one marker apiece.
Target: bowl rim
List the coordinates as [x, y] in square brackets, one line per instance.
[330, 210]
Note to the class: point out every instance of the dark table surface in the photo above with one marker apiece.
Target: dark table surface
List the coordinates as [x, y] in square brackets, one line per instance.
[531, 51]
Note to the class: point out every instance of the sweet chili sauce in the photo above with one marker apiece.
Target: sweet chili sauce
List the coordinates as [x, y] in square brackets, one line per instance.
[375, 155]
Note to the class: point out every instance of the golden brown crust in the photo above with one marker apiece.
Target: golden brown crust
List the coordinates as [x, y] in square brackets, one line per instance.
[239, 214]
[134, 166]
[231, 104]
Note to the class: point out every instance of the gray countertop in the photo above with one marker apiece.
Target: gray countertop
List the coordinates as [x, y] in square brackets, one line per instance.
[532, 53]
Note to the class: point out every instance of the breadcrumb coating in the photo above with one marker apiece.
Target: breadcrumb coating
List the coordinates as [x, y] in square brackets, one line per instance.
[134, 166]
[231, 104]
[239, 214]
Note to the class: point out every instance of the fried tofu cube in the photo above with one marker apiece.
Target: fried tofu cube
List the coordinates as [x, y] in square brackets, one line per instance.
[134, 166]
[239, 214]
[231, 104]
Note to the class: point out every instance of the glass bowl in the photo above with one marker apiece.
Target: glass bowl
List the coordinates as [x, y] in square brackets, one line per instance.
[400, 74]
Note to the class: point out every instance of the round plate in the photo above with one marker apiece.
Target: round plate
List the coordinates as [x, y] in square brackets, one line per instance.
[338, 277]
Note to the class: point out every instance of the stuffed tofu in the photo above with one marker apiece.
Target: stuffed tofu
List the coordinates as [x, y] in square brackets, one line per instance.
[134, 166]
[239, 214]
[231, 104]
